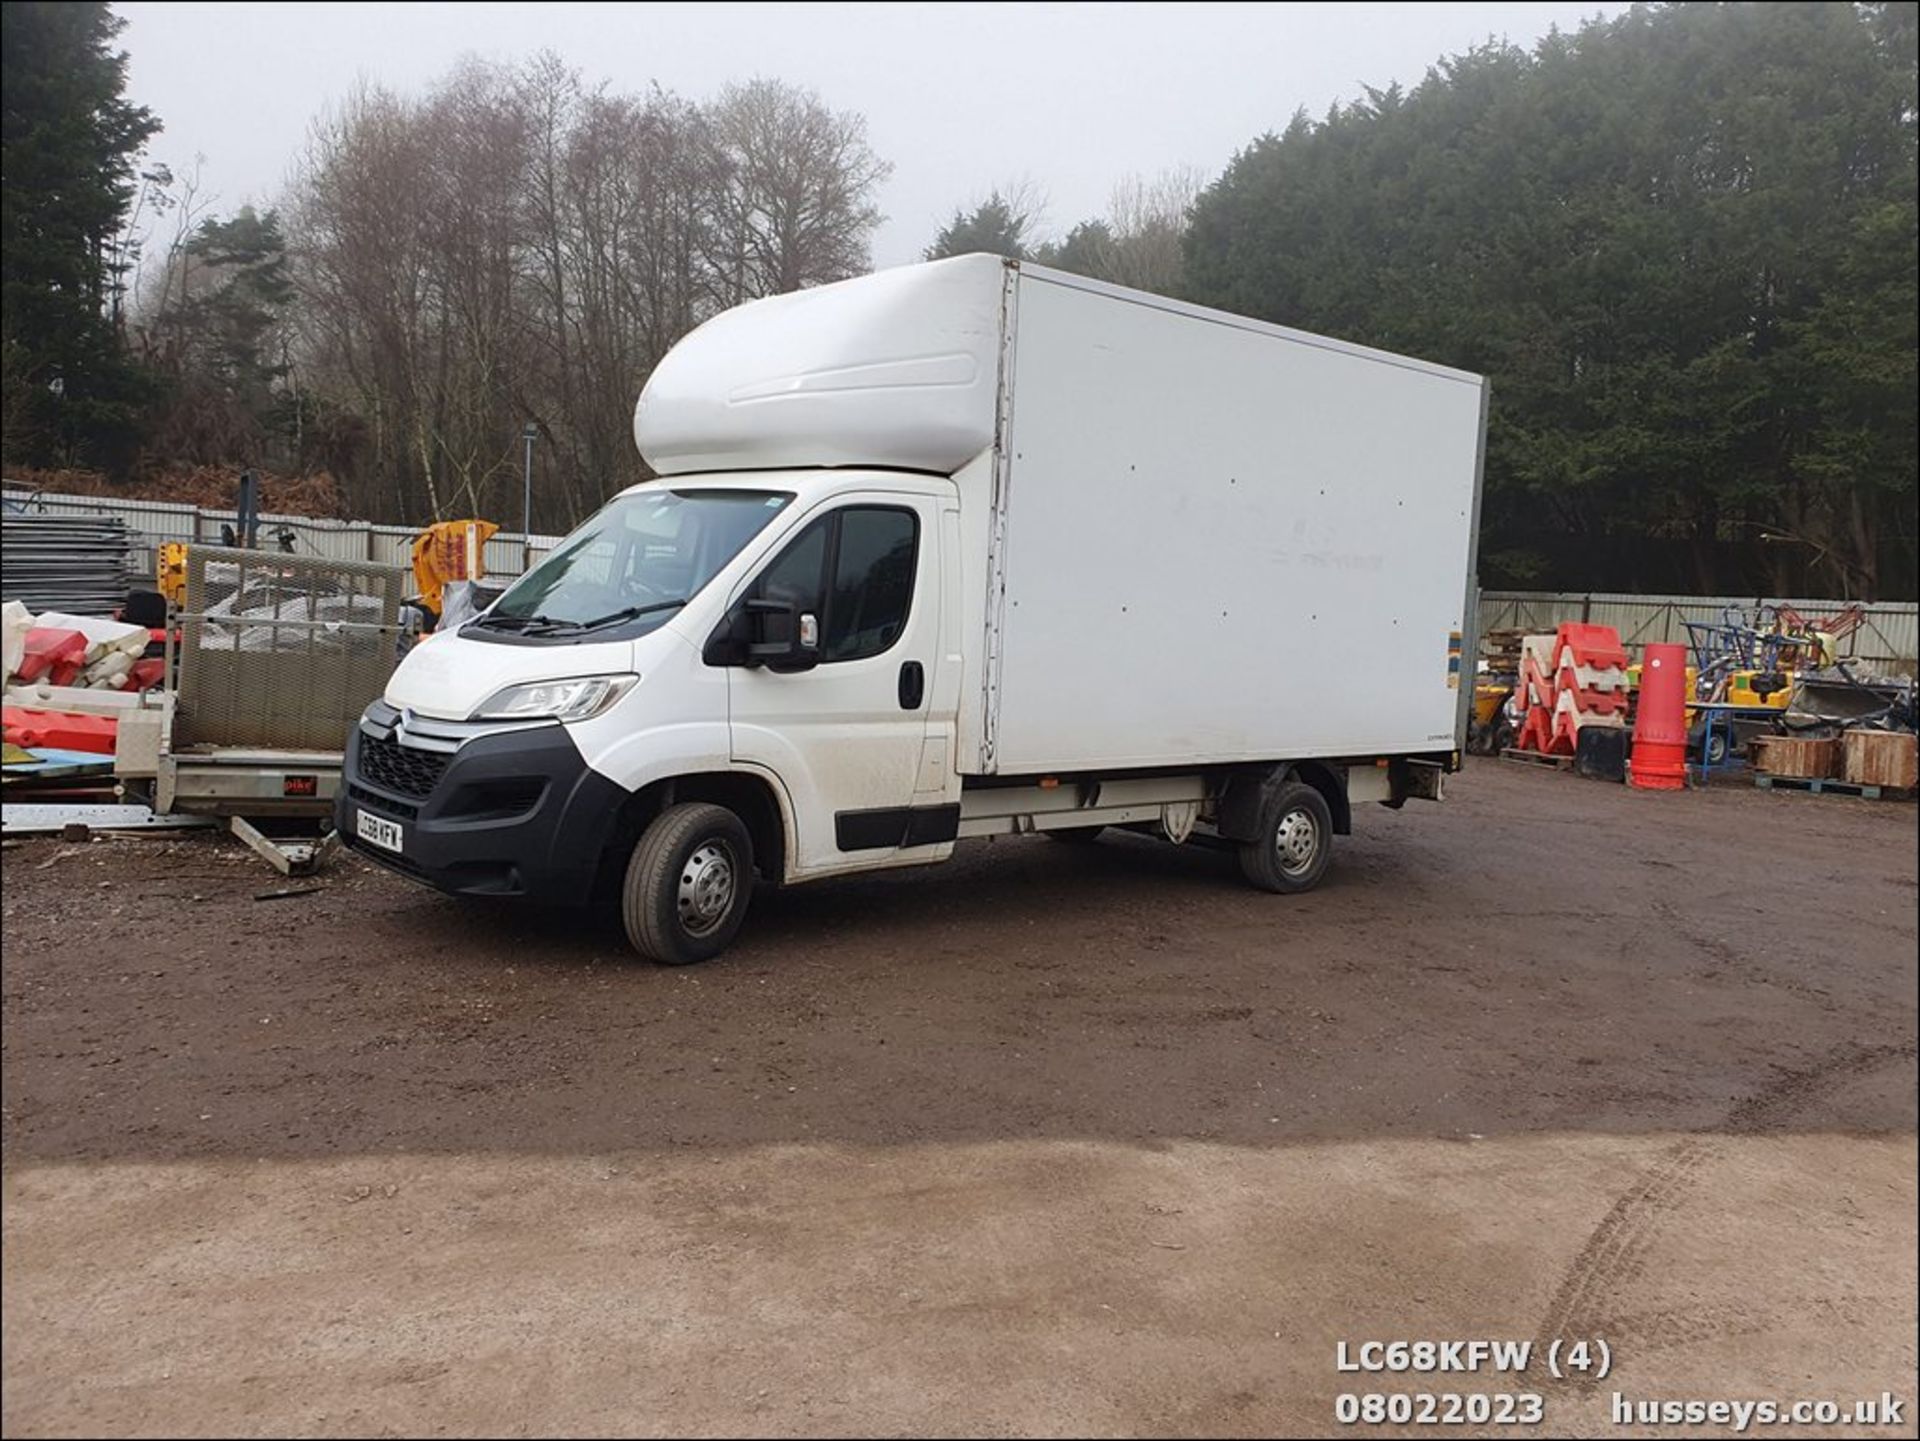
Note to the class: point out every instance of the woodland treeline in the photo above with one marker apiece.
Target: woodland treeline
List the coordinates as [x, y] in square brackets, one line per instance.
[1681, 243]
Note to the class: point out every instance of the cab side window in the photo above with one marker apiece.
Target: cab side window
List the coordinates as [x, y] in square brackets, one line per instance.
[853, 568]
[796, 573]
[872, 583]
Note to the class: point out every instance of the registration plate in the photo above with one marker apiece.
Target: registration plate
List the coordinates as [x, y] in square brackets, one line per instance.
[382, 833]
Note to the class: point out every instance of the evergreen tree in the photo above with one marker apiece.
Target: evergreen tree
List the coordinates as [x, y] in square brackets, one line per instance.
[1681, 243]
[66, 175]
[215, 342]
[1088, 250]
[998, 226]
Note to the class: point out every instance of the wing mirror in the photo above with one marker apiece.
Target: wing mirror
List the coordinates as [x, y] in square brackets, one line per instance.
[770, 632]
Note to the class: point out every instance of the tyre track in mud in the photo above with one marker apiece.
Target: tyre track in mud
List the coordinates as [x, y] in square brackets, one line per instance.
[1615, 1253]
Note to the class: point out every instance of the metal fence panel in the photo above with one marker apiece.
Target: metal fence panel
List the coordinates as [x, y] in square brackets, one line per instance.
[1889, 632]
[1890, 636]
[282, 651]
[154, 522]
[73, 563]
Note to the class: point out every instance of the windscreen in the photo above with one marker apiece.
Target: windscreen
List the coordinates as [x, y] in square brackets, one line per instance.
[634, 563]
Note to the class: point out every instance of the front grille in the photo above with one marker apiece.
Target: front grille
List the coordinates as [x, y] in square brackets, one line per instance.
[373, 800]
[497, 800]
[401, 769]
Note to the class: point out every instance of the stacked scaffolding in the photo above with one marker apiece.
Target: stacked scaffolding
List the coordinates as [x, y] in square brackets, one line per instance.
[77, 564]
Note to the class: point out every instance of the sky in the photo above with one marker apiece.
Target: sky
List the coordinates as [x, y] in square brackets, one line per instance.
[962, 98]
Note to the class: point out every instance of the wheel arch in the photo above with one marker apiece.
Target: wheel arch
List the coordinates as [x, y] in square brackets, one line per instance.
[1332, 785]
[755, 798]
[1237, 814]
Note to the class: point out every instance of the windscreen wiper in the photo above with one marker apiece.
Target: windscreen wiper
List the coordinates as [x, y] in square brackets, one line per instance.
[630, 612]
[495, 621]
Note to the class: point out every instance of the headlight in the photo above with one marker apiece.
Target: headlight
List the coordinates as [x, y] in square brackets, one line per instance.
[562, 700]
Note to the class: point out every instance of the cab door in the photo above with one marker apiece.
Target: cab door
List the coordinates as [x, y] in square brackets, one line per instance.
[845, 734]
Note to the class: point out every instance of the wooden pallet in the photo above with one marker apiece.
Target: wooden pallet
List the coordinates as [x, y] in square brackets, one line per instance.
[1537, 758]
[1789, 756]
[1824, 785]
[1888, 759]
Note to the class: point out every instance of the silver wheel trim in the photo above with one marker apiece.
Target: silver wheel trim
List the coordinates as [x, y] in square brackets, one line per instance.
[707, 882]
[1297, 841]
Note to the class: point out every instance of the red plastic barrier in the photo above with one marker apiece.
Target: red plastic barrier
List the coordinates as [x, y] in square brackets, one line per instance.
[1536, 700]
[48, 648]
[1590, 699]
[1593, 645]
[60, 730]
[148, 673]
[1660, 720]
[1536, 731]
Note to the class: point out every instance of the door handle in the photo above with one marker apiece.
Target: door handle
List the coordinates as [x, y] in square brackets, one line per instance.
[913, 685]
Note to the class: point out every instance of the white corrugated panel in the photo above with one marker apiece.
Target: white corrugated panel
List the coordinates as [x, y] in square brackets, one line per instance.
[1892, 632]
[391, 544]
[331, 539]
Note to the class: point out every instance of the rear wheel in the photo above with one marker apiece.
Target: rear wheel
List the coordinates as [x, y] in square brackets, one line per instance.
[1295, 842]
[688, 884]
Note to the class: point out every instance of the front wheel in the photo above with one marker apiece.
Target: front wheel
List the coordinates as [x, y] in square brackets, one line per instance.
[1295, 842]
[688, 884]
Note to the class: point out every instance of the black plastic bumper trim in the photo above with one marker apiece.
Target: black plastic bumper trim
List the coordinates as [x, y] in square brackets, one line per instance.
[891, 826]
[550, 851]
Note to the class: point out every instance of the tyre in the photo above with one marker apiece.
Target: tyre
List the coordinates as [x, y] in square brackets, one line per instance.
[1075, 835]
[688, 884]
[1295, 841]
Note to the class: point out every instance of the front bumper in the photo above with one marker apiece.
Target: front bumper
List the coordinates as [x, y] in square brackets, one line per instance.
[508, 813]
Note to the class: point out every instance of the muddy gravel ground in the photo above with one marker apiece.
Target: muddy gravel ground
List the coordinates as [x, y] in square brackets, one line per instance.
[1050, 1140]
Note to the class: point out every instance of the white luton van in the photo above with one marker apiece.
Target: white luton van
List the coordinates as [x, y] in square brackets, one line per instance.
[969, 548]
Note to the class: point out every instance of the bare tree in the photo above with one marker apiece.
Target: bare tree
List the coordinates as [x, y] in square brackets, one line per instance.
[1148, 220]
[619, 193]
[1140, 242]
[477, 134]
[154, 296]
[794, 191]
[550, 94]
[152, 199]
[363, 242]
[520, 247]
